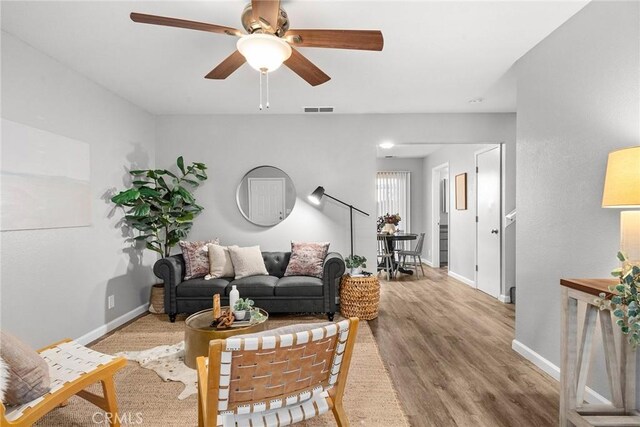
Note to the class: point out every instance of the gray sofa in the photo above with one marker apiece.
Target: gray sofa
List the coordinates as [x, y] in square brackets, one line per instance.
[274, 293]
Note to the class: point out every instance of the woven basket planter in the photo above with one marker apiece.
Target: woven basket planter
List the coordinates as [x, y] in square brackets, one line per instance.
[157, 299]
[359, 297]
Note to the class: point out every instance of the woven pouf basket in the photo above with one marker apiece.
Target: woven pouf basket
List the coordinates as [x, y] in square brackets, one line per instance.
[359, 297]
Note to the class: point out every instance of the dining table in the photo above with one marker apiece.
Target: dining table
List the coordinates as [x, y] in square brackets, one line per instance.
[390, 241]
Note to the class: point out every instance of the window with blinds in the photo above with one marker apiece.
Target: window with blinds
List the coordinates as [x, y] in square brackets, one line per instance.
[393, 196]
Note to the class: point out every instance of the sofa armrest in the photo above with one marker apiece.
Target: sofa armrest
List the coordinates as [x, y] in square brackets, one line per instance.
[171, 271]
[333, 270]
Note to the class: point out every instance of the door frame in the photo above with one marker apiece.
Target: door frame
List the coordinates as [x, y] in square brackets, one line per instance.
[435, 212]
[502, 297]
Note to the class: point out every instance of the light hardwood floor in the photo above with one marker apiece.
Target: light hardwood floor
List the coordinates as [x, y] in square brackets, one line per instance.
[448, 349]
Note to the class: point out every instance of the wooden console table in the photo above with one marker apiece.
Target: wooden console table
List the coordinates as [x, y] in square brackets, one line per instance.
[620, 360]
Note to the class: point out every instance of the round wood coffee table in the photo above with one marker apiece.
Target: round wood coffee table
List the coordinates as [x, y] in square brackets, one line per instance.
[198, 332]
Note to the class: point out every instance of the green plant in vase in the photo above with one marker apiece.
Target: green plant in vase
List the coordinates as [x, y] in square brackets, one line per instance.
[241, 307]
[625, 302]
[355, 263]
[160, 205]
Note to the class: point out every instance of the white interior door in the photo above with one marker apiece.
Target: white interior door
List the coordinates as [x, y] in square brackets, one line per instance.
[266, 200]
[488, 227]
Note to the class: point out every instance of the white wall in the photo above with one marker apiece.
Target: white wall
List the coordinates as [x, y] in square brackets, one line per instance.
[578, 99]
[55, 282]
[415, 167]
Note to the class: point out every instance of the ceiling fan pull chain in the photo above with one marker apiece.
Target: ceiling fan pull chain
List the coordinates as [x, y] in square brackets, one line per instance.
[267, 90]
[260, 106]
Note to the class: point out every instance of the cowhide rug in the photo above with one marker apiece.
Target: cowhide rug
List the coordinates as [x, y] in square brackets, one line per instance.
[168, 362]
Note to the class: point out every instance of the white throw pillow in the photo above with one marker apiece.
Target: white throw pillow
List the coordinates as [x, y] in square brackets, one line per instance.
[247, 261]
[220, 264]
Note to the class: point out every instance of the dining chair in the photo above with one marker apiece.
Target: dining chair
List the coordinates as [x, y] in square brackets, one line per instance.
[416, 254]
[386, 257]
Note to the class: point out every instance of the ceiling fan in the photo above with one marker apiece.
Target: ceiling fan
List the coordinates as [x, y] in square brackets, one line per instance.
[269, 42]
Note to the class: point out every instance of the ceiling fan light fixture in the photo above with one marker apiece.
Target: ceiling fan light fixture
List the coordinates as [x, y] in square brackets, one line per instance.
[264, 52]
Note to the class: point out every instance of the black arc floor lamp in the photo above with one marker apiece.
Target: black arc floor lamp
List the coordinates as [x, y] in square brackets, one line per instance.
[315, 198]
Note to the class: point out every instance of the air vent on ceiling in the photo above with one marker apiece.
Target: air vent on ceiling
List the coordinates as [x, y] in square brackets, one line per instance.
[318, 109]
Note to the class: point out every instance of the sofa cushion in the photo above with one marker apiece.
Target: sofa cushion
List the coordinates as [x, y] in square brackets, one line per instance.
[202, 288]
[276, 262]
[307, 259]
[196, 257]
[220, 264]
[247, 261]
[298, 286]
[254, 286]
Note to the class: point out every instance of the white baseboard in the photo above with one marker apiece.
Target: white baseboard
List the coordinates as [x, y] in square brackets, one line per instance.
[102, 330]
[462, 279]
[504, 298]
[591, 395]
[428, 262]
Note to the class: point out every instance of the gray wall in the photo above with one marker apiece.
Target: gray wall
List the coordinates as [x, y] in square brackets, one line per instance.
[55, 282]
[462, 223]
[415, 167]
[336, 151]
[578, 99]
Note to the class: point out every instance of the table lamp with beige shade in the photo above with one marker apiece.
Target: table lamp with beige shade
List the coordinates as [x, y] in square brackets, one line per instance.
[622, 190]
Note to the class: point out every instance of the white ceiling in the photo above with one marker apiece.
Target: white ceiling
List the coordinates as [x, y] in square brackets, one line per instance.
[437, 55]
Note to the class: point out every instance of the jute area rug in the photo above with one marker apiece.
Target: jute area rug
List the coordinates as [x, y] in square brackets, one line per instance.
[145, 400]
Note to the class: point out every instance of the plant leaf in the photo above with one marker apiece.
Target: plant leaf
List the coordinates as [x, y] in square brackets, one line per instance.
[142, 210]
[126, 196]
[180, 163]
[188, 217]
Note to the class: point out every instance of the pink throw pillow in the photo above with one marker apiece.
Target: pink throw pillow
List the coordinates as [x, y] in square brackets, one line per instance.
[307, 259]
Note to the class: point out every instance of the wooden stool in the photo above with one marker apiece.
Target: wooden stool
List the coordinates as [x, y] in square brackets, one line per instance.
[359, 297]
[621, 366]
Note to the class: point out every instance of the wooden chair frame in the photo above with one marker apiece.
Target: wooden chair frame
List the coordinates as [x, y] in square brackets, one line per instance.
[107, 402]
[209, 381]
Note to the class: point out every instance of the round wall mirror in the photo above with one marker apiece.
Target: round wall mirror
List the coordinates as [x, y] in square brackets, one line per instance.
[266, 196]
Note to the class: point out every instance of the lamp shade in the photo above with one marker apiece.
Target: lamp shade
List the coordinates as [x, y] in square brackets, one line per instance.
[622, 181]
[264, 52]
[316, 196]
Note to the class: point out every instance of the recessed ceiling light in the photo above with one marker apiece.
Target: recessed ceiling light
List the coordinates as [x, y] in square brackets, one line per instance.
[386, 145]
[476, 100]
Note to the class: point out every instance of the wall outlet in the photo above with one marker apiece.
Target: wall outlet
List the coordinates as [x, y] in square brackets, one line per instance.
[111, 302]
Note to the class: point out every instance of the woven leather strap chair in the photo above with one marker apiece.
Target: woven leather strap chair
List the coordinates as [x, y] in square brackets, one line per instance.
[72, 368]
[276, 380]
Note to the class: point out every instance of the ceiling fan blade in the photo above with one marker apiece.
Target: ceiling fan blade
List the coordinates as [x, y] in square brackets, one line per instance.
[181, 23]
[306, 69]
[266, 10]
[226, 67]
[337, 39]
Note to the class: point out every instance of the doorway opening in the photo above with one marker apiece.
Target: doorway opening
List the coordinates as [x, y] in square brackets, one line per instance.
[440, 214]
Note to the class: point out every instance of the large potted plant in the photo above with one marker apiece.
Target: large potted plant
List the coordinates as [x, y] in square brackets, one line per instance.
[160, 206]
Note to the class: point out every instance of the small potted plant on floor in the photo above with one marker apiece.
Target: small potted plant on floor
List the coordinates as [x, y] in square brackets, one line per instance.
[355, 264]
